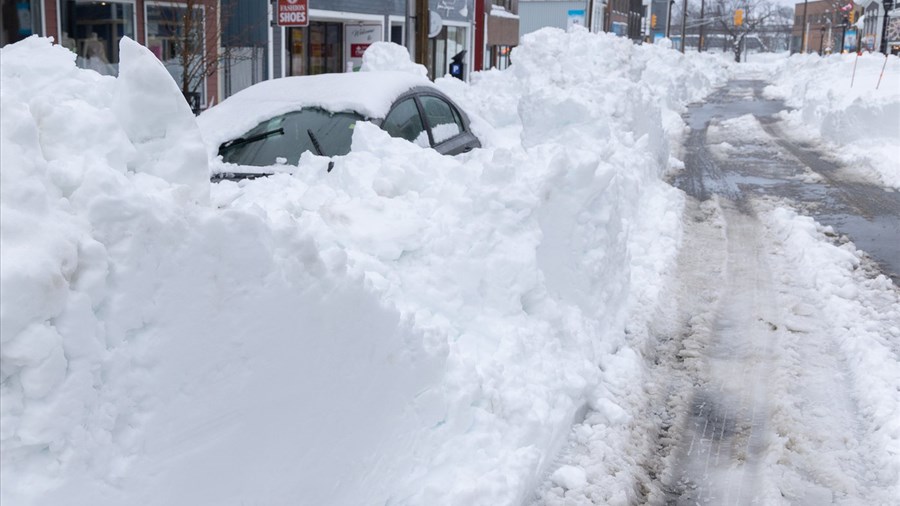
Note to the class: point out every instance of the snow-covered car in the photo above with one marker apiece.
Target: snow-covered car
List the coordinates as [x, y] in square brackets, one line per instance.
[274, 122]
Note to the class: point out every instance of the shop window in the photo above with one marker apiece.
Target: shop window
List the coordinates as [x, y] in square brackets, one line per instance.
[316, 49]
[397, 34]
[20, 19]
[92, 30]
[500, 56]
[183, 54]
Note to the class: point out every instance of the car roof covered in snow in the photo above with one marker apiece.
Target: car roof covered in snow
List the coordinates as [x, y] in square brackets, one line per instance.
[368, 93]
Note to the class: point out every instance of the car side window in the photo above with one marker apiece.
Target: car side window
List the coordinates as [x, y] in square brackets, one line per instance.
[442, 119]
[404, 122]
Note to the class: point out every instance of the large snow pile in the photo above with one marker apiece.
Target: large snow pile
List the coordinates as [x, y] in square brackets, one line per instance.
[839, 99]
[408, 329]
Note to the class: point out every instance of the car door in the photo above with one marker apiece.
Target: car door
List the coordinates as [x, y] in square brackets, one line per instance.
[449, 132]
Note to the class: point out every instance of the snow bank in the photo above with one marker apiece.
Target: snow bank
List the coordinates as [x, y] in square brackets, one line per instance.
[836, 298]
[861, 123]
[408, 329]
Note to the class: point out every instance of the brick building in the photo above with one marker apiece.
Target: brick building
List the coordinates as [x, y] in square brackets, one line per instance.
[828, 23]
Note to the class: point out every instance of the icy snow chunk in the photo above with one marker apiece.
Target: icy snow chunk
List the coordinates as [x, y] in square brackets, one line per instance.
[159, 122]
[390, 56]
[570, 477]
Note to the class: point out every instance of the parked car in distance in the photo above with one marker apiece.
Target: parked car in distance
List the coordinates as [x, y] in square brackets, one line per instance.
[274, 122]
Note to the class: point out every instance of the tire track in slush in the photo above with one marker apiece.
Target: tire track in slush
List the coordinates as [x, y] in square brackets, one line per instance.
[725, 429]
[769, 415]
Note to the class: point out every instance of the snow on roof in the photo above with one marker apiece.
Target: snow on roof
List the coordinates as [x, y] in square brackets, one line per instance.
[368, 93]
[500, 12]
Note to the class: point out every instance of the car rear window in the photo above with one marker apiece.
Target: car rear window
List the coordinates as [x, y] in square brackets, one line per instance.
[443, 120]
[288, 136]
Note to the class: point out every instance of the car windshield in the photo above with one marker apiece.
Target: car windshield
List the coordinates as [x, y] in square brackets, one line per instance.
[288, 136]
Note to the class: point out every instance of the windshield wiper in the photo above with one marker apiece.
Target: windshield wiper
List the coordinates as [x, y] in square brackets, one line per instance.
[318, 147]
[253, 138]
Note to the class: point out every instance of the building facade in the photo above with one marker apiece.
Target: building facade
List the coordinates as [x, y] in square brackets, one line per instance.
[502, 32]
[625, 18]
[872, 26]
[237, 45]
[92, 30]
[829, 27]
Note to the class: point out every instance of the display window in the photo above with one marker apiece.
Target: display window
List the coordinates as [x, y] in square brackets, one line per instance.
[316, 49]
[92, 30]
[20, 19]
[176, 36]
[500, 56]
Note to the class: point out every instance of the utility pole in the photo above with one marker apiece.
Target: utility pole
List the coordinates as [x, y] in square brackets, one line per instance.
[803, 44]
[700, 40]
[421, 38]
[669, 18]
[590, 15]
[683, 24]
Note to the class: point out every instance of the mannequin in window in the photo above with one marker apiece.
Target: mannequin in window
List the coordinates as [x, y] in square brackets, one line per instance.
[93, 52]
[94, 48]
[68, 42]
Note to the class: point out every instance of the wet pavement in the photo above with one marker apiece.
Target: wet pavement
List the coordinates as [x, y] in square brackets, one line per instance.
[771, 164]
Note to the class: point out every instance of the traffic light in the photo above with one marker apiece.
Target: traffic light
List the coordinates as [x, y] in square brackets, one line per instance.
[653, 21]
[738, 17]
[851, 15]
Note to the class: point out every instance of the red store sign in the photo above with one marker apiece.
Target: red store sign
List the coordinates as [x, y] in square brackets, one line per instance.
[293, 13]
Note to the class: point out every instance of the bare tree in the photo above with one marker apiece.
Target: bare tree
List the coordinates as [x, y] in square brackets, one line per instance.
[193, 49]
[755, 14]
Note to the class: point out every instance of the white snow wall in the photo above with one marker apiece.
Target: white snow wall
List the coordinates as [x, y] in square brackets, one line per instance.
[409, 329]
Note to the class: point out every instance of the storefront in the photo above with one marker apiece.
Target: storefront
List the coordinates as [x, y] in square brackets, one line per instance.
[450, 42]
[92, 31]
[452, 39]
[335, 40]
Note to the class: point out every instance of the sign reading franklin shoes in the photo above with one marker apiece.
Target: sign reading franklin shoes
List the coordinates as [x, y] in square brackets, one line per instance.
[293, 13]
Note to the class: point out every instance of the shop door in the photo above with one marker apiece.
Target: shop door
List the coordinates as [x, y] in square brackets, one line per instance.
[317, 49]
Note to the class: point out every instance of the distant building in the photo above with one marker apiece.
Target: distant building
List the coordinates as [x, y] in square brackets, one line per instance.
[502, 34]
[624, 18]
[828, 26]
[872, 25]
